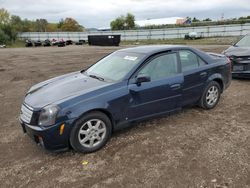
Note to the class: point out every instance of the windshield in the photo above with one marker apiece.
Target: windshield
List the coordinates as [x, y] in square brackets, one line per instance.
[244, 42]
[115, 66]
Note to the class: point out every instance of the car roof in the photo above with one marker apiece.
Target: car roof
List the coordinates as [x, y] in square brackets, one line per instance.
[151, 49]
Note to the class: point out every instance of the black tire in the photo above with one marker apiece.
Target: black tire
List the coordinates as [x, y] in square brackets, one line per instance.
[75, 132]
[204, 101]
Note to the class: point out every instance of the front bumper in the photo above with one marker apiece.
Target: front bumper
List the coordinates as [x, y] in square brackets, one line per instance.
[50, 137]
[242, 74]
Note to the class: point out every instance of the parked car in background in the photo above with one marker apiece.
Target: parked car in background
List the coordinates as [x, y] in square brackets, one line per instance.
[2, 46]
[193, 35]
[37, 43]
[239, 54]
[28, 43]
[54, 42]
[80, 42]
[46, 43]
[61, 43]
[69, 42]
[82, 109]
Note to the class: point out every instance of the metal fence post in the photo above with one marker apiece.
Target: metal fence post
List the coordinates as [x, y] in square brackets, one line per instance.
[241, 29]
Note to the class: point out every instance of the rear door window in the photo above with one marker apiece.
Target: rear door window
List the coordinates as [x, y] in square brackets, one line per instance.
[190, 60]
[201, 62]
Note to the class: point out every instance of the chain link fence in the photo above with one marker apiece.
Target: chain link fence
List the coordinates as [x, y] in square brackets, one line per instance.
[145, 34]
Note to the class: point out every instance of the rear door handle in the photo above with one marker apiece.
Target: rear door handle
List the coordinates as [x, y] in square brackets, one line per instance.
[175, 86]
[203, 74]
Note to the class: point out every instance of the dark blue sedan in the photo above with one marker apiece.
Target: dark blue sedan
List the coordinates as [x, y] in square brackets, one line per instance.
[82, 109]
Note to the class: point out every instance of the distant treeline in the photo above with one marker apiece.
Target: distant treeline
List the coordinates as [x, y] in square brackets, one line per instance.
[10, 25]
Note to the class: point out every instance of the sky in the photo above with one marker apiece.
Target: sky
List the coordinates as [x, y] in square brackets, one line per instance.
[99, 13]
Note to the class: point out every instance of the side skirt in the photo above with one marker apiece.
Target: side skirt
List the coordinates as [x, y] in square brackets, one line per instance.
[129, 123]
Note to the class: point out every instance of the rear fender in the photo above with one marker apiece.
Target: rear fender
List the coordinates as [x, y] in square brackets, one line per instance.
[216, 77]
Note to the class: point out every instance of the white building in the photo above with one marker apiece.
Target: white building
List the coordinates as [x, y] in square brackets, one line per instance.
[159, 21]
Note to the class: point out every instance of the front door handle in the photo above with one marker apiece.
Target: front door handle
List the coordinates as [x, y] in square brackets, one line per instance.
[175, 86]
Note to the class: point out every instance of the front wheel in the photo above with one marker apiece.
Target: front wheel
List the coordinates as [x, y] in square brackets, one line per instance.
[91, 132]
[211, 95]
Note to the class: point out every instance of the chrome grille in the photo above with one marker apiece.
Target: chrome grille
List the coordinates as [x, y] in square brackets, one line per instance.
[26, 114]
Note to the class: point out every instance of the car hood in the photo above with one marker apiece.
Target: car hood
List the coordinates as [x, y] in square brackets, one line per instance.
[237, 51]
[61, 87]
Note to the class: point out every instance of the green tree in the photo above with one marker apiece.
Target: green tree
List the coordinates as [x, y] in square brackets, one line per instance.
[3, 37]
[52, 27]
[130, 21]
[16, 21]
[69, 24]
[16, 24]
[122, 22]
[244, 18]
[60, 23]
[41, 25]
[207, 20]
[241, 18]
[118, 23]
[10, 32]
[28, 26]
[195, 20]
[4, 16]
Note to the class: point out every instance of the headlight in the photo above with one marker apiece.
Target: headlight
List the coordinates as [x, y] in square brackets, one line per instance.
[48, 115]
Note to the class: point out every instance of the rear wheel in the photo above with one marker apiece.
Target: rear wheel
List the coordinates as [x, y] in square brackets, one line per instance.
[91, 132]
[211, 95]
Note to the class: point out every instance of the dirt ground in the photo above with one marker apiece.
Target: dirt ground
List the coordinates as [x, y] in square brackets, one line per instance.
[194, 148]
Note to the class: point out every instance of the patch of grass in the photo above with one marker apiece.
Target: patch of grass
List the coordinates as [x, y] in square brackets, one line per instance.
[203, 41]
[16, 44]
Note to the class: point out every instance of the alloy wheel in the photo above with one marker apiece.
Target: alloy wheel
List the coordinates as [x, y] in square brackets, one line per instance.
[92, 133]
[212, 95]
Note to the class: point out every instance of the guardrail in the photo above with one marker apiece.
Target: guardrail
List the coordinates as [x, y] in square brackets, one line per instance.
[166, 33]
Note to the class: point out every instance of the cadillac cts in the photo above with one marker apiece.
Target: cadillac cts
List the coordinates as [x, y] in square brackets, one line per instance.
[82, 109]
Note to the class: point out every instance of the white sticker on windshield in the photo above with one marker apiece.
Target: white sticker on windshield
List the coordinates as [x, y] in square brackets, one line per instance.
[131, 58]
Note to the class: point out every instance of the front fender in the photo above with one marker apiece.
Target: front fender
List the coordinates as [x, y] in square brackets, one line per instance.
[113, 102]
[80, 109]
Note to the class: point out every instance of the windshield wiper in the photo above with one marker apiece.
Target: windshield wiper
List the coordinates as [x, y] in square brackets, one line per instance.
[96, 77]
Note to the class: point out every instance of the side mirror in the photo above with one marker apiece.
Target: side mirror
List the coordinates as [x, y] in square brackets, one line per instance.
[142, 78]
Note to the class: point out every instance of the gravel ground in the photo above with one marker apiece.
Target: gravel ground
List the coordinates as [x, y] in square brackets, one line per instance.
[194, 148]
